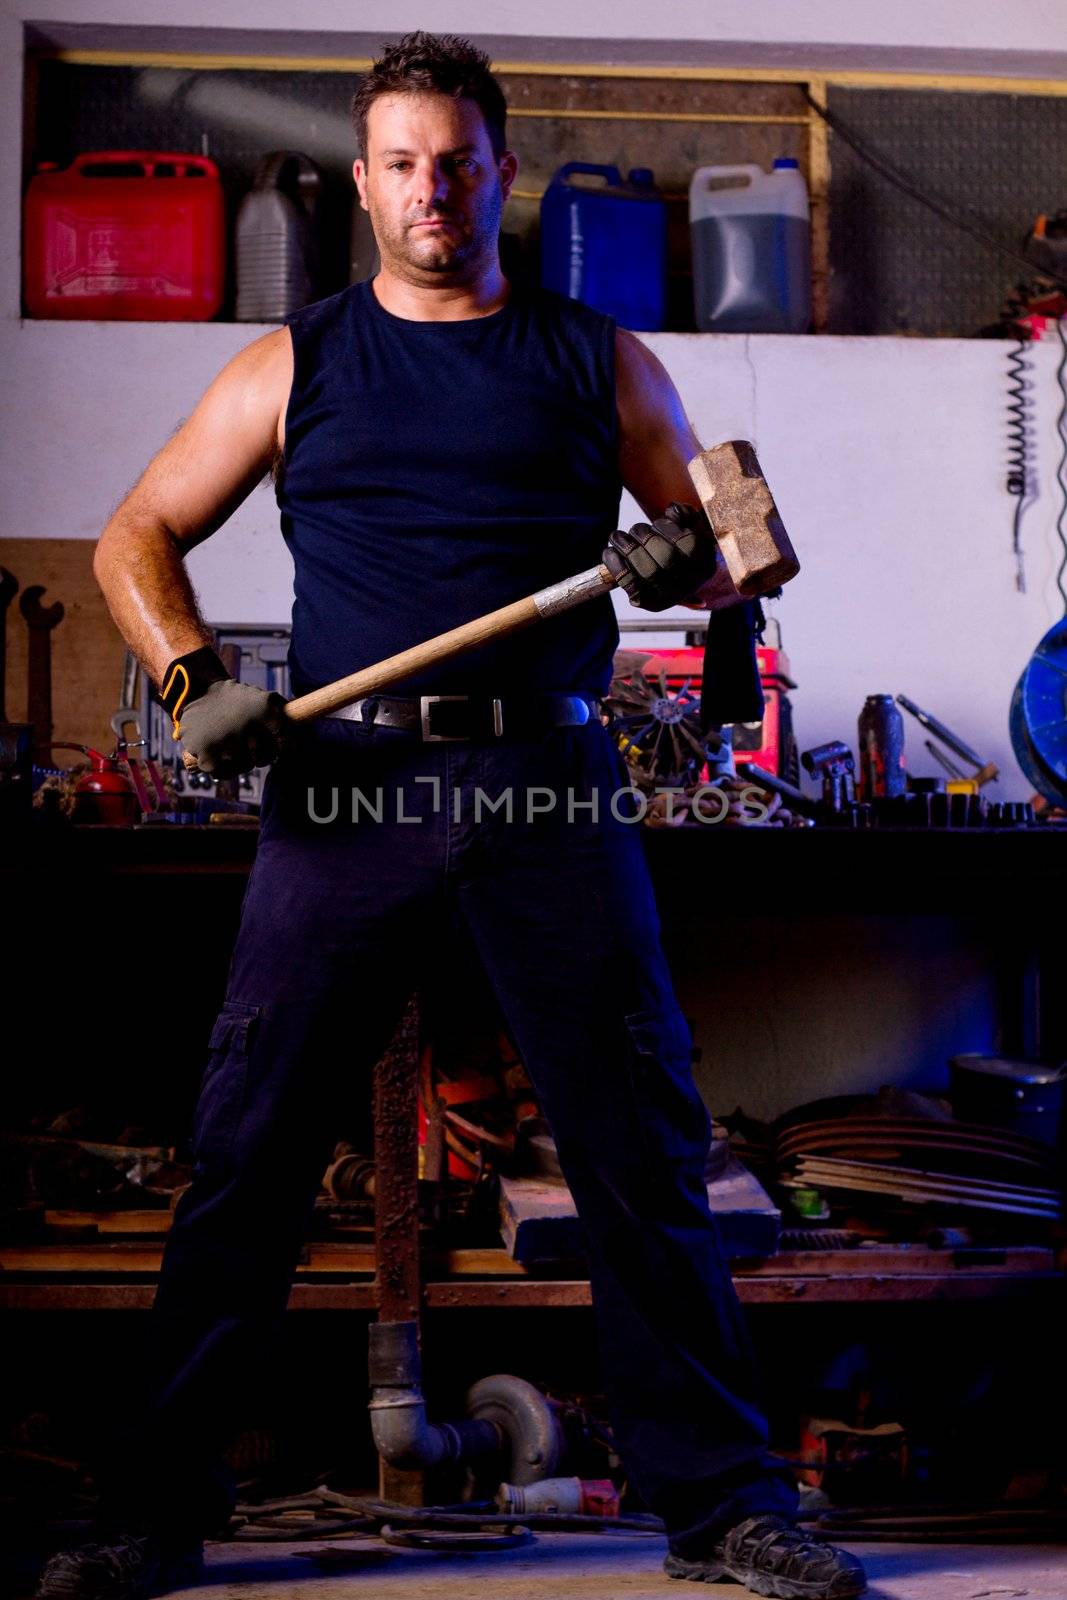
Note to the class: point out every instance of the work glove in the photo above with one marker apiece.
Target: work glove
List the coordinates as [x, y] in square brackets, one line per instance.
[659, 564]
[228, 727]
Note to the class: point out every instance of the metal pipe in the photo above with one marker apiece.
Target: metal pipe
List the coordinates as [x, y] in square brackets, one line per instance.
[507, 1417]
[402, 1432]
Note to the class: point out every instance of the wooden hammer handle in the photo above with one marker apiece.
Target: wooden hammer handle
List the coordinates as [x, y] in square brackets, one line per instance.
[493, 625]
[755, 546]
[746, 524]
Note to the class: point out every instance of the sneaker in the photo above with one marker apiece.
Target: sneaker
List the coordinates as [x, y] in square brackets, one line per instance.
[130, 1568]
[772, 1556]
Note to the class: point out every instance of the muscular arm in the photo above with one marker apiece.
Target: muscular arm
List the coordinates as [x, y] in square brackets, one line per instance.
[656, 444]
[188, 491]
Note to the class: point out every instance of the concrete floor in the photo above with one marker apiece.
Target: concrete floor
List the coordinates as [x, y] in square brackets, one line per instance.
[597, 1567]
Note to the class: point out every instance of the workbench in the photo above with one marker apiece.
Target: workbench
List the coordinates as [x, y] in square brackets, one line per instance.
[105, 914]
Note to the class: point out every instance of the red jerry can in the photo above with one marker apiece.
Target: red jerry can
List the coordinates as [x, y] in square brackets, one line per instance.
[133, 235]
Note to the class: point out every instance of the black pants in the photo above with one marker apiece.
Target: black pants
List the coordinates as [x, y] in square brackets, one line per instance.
[339, 919]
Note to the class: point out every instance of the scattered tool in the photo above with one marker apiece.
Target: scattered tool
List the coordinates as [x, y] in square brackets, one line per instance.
[755, 546]
[943, 760]
[883, 775]
[40, 620]
[152, 796]
[835, 765]
[128, 713]
[657, 725]
[16, 770]
[986, 771]
[9, 588]
[796, 799]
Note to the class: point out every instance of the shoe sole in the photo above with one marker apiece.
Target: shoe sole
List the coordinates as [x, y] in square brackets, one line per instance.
[182, 1574]
[759, 1582]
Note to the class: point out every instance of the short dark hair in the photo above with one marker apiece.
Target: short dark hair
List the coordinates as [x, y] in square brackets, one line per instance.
[429, 63]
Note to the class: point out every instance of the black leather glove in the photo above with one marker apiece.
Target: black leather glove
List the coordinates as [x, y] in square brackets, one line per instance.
[229, 727]
[660, 563]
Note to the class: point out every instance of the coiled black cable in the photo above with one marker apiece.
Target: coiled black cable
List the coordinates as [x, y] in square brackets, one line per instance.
[1018, 451]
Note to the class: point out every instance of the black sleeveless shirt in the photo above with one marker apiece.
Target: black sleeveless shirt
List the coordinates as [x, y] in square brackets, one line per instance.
[436, 470]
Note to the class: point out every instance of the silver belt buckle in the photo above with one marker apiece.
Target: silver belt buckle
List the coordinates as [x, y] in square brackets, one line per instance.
[427, 700]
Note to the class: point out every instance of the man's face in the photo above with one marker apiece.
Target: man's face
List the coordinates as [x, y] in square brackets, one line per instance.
[432, 186]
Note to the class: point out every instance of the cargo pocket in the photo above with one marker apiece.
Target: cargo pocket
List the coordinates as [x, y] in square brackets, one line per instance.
[222, 1088]
[675, 1119]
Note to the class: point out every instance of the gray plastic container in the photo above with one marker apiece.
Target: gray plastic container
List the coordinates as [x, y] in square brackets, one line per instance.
[751, 240]
[277, 239]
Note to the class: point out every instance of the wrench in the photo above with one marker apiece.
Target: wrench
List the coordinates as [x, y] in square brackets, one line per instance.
[9, 588]
[40, 620]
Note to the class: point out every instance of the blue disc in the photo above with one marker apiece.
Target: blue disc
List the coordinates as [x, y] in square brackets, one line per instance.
[1044, 701]
[1024, 753]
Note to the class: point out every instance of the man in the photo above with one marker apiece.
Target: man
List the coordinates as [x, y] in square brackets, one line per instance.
[442, 443]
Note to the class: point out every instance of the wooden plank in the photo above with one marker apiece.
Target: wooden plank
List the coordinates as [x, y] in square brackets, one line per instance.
[812, 1176]
[76, 1296]
[520, 1294]
[153, 1222]
[345, 1259]
[539, 1220]
[911, 1260]
[895, 1287]
[914, 1191]
[91, 1256]
[113, 1256]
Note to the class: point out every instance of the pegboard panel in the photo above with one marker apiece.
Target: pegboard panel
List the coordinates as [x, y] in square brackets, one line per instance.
[237, 115]
[88, 653]
[898, 268]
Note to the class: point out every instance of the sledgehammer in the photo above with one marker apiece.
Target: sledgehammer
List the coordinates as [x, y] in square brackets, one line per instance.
[747, 527]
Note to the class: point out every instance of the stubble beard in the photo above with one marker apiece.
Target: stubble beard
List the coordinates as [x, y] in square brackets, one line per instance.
[459, 256]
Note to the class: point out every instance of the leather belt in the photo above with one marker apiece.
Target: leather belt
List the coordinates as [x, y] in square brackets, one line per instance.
[438, 717]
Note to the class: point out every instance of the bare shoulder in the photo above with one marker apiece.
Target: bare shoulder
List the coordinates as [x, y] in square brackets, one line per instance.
[260, 376]
[645, 396]
[633, 358]
[227, 444]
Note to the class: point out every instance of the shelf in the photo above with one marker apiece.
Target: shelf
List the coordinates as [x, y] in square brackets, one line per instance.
[339, 1277]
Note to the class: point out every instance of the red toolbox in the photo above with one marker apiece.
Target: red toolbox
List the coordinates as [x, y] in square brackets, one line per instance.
[137, 235]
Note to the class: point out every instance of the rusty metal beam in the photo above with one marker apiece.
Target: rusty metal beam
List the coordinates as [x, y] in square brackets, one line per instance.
[397, 1284]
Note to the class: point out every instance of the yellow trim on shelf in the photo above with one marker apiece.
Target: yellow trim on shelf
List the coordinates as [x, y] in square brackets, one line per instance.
[614, 115]
[818, 178]
[963, 83]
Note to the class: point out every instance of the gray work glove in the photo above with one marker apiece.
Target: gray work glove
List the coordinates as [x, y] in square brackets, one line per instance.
[233, 727]
[661, 563]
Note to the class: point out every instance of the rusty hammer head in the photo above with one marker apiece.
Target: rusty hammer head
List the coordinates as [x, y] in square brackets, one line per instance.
[744, 518]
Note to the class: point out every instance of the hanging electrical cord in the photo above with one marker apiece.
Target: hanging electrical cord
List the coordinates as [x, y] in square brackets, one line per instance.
[1061, 470]
[1018, 478]
[902, 182]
